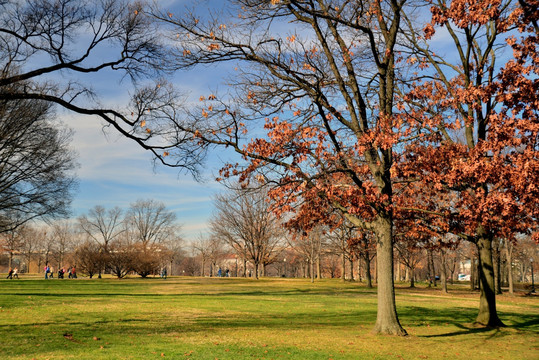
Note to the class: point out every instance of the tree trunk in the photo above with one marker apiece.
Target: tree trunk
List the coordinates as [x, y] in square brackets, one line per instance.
[472, 271]
[202, 268]
[343, 267]
[443, 277]
[487, 301]
[368, 271]
[433, 269]
[387, 321]
[412, 277]
[318, 268]
[497, 272]
[509, 257]
[351, 262]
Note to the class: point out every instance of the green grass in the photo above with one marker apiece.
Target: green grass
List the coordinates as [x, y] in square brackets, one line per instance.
[196, 318]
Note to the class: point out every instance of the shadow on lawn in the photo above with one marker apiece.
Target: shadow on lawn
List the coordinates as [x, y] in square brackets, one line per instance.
[463, 318]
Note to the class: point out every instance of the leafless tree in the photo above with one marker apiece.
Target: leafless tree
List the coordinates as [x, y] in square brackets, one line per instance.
[64, 238]
[244, 220]
[49, 46]
[36, 164]
[103, 226]
[150, 222]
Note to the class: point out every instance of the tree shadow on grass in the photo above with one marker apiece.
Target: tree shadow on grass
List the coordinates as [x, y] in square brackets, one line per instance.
[463, 318]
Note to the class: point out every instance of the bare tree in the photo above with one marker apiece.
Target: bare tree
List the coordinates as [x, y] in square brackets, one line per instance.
[49, 45]
[103, 226]
[63, 236]
[150, 222]
[244, 220]
[36, 164]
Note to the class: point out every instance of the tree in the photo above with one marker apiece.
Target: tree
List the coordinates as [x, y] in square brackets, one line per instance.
[88, 258]
[243, 219]
[63, 237]
[36, 164]
[49, 46]
[479, 127]
[331, 129]
[104, 227]
[151, 223]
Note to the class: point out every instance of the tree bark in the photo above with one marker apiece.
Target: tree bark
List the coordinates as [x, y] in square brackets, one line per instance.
[387, 321]
[412, 277]
[472, 270]
[443, 277]
[343, 266]
[368, 271]
[509, 256]
[488, 315]
[497, 272]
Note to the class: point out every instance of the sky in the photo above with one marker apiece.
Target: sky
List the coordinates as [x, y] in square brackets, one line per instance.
[115, 171]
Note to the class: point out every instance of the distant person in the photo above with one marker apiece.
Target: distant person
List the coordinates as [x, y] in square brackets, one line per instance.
[219, 272]
[69, 273]
[51, 271]
[73, 273]
[16, 273]
[164, 273]
[60, 273]
[227, 273]
[10, 274]
[47, 269]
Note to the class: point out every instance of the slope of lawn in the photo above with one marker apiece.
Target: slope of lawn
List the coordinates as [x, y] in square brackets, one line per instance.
[210, 318]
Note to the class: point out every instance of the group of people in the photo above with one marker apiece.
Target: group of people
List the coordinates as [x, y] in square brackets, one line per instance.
[71, 272]
[13, 273]
[220, 273]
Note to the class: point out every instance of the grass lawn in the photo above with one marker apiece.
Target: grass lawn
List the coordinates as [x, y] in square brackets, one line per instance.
[209, 318]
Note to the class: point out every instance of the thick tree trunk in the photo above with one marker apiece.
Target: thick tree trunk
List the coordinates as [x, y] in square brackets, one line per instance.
[488, 315]
[387, 321]
[412, 277]
[443, 277]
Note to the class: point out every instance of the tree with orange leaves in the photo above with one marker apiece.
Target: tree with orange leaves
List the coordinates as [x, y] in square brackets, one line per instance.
[324, 90]
[478, 122]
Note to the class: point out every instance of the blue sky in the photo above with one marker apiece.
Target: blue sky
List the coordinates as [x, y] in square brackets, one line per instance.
[115, 171]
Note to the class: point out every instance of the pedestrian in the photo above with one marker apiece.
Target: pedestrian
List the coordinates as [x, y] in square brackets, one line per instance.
[10, 274]
[51, 271]
[227, 273]
[16, 273]
[219, 272]
[164, 273]
[73, 273]
[69, 273]
[47, 269]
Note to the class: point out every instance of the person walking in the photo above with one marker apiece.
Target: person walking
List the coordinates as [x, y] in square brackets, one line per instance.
[10, 274]
[16, 273]
[47, 269]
